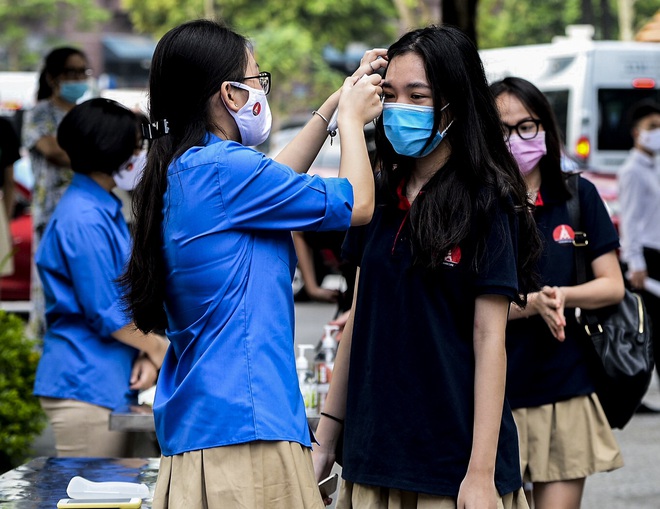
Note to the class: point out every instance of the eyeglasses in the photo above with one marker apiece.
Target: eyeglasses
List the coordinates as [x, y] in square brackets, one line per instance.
[76, 73]
[527, 129]
[264, 80]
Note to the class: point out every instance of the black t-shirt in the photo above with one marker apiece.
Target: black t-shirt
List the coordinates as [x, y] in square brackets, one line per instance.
[9, 146]
[410, 406]
[541, 369]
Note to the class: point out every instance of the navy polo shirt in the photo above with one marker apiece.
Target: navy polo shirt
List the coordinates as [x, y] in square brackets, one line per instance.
[410, 406]
[229, 376]
[81, 254]
[542, 370]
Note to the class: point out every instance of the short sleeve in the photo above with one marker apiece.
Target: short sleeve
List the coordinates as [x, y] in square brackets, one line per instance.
[260, 193]
[596, 221]
[497, 269]
[353, 246]
[37, 124]
[94, 263]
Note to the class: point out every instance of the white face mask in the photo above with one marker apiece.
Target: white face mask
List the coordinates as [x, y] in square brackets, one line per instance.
[130, 172]
[650, 139]
[254, 119]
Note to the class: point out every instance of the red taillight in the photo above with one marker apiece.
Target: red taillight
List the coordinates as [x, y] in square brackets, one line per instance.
[583, 148]
[643, 83]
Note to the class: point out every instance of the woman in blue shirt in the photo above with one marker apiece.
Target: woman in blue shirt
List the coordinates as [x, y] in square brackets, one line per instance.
[92, 357]
[213, 262]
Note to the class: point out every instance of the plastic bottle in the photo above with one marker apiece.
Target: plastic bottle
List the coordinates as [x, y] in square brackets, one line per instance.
[325, 364]
[307, 381]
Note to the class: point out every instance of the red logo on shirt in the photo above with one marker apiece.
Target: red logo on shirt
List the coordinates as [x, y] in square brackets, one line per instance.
[256, 109]
[453, 257]
[563, 234]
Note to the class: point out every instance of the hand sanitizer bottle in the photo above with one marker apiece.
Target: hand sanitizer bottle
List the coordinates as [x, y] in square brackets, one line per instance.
[307, 381]
[325, 364]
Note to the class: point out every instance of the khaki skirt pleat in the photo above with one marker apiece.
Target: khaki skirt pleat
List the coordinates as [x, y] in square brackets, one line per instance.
[362, 496]
[566, 440]
[254, 475]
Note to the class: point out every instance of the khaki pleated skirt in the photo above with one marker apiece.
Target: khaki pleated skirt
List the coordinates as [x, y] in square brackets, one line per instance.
[361, 496]
[566, 440]
[254, 475]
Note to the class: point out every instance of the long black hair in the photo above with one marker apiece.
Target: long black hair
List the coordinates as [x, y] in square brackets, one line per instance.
[189, 65]
[480, 174]
[536, 102]
[54, 65]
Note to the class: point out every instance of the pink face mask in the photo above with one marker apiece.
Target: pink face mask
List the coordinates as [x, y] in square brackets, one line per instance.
[527, 153]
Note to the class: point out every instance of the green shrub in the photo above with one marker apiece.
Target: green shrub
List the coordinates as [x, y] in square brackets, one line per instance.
[21, 416]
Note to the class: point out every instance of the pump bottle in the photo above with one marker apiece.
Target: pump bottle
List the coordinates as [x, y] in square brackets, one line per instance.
[307, 381]
[325, 364]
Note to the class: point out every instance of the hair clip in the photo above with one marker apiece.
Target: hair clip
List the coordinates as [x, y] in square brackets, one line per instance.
[155, 129]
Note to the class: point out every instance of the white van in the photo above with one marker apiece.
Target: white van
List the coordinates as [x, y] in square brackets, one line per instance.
[590, 84]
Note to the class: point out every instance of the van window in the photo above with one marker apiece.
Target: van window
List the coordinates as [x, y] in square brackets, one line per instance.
[613, 125]
[558, 100]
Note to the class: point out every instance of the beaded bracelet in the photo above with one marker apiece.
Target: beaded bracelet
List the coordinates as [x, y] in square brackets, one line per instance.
[332, 417]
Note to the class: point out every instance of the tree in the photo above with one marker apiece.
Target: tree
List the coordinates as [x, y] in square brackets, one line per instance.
[20, 18]
[288, 35]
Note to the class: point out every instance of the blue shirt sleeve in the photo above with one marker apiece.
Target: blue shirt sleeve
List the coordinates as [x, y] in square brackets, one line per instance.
[94, 265]
[260, 193]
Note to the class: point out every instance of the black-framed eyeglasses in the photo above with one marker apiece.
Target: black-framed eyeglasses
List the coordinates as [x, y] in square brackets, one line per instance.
[264, 80]
[527, 129]
[76, 73]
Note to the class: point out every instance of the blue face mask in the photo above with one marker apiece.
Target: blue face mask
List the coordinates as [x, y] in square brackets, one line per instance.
[71, 91]
[408, 128]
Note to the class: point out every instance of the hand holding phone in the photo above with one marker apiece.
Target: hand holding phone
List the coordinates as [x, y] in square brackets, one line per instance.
[328, 485]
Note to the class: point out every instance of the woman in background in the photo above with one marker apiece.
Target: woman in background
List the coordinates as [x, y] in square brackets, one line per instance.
[62, 82]
[93, 358]
[564, 434]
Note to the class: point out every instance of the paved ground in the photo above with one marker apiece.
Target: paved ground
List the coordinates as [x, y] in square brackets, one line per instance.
[636, 486]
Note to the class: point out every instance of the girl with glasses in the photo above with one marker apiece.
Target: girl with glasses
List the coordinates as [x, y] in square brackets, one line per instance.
[564, 434]
[212, 265]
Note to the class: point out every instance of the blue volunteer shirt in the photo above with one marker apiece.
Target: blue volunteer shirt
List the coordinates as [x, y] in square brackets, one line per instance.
[229, 376]
[83, 251]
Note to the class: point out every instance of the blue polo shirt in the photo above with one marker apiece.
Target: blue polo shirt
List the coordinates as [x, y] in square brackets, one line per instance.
[82, 252]
[229, 376]
[542, 370]
[410, 399]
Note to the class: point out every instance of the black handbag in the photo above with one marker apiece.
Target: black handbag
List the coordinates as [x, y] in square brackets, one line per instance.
[620, 334]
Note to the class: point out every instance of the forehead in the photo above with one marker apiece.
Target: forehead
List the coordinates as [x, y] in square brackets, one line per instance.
[652, 119]
[511, 109]
[252, 66]
[75, 60]
[404, 70]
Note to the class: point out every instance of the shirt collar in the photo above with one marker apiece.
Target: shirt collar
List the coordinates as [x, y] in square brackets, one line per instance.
[101, 197]
[403, 204]
[641, 158]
